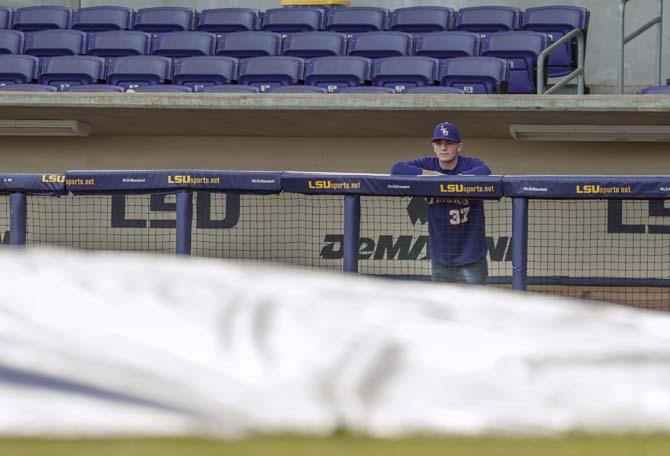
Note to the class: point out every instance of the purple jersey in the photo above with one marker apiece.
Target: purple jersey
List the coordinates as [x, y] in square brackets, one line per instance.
[456, 226]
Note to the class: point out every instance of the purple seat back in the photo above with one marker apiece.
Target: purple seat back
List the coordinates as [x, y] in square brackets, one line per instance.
[103, 18]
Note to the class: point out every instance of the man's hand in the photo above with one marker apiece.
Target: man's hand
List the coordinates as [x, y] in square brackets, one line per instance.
[428, 172]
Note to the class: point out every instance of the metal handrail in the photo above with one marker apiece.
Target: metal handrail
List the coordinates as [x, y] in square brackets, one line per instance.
[578, 73]
[625, 39]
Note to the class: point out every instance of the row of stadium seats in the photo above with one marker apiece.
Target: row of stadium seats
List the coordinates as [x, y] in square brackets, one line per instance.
[468, 74]
[554, 20]
[521, 48]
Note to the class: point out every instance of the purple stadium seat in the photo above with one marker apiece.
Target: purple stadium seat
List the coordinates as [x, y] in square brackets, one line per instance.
[228, 20]
[315, 44]
[402, 73]
[34, 18]
[658, 90]
[201, 72]
[165, 19]
[184, 44]
[488, 19]
[422, 19]
[18, 69]
[103, 18]
[366, 89]
[557, 21]
[11, 42]
[94, 88]
[334, 73]
[233, 88]
[5, 17]
[265, 72]
[475, 74]
[49, 43]
[435, 89]
[521, 49]
[357, 19]
[293, 20]
[375, 45]
[72, 70]
[136, 71]
[118, 43]
[447, 45]
[28, 88]
[296, 89]
[162, 88]
[243, 45]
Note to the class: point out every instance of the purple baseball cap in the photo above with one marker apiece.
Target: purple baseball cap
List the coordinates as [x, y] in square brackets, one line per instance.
[448, 131]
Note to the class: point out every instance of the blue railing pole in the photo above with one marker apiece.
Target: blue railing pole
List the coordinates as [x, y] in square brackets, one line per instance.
[352, 232]
[519, 243]
[17, 218]
[184, 221]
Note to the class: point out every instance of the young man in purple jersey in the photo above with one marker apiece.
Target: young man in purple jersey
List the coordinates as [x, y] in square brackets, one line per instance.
[456, 228]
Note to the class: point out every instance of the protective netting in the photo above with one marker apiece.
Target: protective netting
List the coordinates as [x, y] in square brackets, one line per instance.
[607, 250]
[4, 218]
[142, 223]
[285, 228]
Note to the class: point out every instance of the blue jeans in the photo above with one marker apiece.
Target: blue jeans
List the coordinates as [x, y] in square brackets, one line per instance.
[473, 273]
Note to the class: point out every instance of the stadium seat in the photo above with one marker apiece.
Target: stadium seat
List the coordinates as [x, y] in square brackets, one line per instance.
[422, 19]
[72, 70]
[165, 19]
[375, 45]
[49, 43]
[447, 45]
[315, 44]
[94, 88]
[137, 71]
[475, 74]
[293, 20]
[228, 20]
[401, 73]
[265, 72]
[658, 90]
[103, 18]
[184, 44]
[34, 18]
[163, 88]
[297, 89]
[557, 21]
[521, 50]
[5, 17]
[435, 89]
[366, 89]
[28, 88]
[233, 88]
[18, 69]
[11, 42]
[200, 72]
[357, 19]
[118, 43]
[334, 73]
[488, 19]
[243, 45]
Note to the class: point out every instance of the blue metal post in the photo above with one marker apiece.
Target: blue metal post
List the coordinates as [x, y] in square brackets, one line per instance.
[352, 232]
[17, 218]
[184, 221]
[519, 243]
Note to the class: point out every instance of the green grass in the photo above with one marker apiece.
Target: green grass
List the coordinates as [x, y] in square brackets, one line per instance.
[343, 445]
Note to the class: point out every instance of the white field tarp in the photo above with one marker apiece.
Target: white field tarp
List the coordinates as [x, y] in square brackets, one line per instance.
[110, 344]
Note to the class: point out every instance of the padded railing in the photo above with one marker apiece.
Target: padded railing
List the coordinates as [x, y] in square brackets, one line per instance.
[577, 73]
[625, 39]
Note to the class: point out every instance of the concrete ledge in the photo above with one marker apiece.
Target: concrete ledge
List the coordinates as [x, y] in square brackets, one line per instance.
[317, 115]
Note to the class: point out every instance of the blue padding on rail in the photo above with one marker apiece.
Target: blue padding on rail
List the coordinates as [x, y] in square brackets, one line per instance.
[82, 182]
[485, 187]
[32, 184]
[587, 187]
